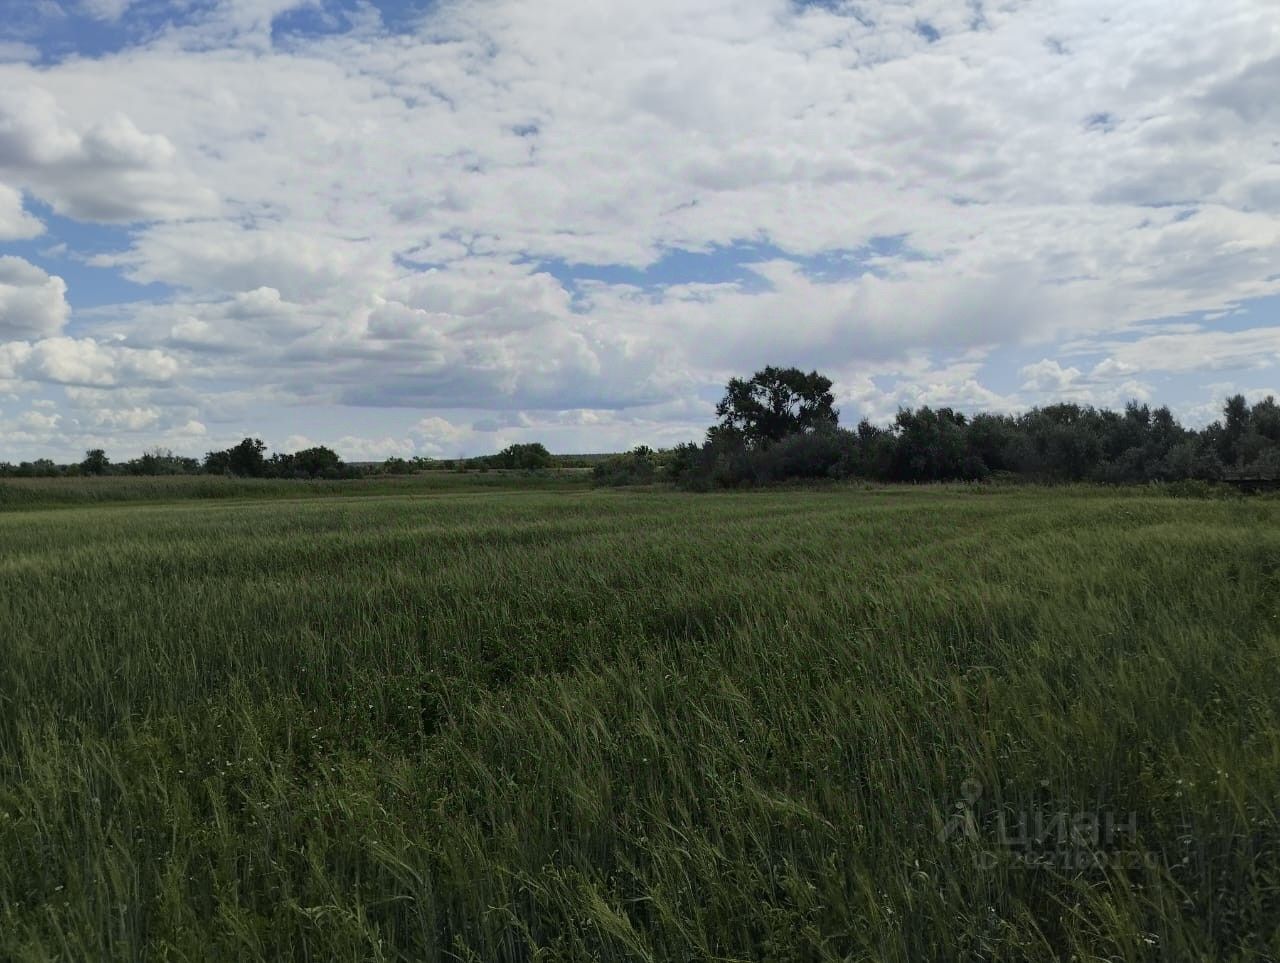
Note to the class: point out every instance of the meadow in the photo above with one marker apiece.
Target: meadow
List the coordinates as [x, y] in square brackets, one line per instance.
[430, 721]
[20, 493]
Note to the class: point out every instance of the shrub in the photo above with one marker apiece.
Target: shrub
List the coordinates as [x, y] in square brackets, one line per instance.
[637, 467]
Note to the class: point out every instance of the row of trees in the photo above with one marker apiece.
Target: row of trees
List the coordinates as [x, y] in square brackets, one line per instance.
[249, 459]
[782, 424]
[158, 461]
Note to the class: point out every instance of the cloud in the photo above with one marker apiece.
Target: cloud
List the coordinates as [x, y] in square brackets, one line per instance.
[124, 421]
[356, 448]
[106, 9]
[1199, 351]
[232, 325]
[1110, 368]
[485, 338]
[217, 257]
[1049, 376]
[438, 431]
[1250, 94]
[32, 302]
[84, 362]
[108, 170]
[15, 223]
[503, 421]
[38, 421]
[13, 51]
[1109, 384]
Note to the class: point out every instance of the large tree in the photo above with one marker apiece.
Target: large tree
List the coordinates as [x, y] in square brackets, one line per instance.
[528, 457]
[1236, 425]
[95, 462]
[245, 459]
[775, 403]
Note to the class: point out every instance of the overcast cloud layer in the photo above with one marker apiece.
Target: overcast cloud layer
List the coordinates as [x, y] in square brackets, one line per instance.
[435, 230]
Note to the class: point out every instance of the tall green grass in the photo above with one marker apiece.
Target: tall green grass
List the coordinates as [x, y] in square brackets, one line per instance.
[641, 726]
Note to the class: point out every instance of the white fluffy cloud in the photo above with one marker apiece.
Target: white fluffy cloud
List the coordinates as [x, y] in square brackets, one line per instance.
[15, 223]
[1048, 375]
[84, 362]
[32, 302]
[103, 170]
[1198, 351]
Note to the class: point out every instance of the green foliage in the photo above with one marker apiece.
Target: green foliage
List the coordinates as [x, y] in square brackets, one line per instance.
[640, 466]
[578, 726]
[95, 462]
[529, 457]
[248, 459]
[1057, 443]
[160, 461]
[932, 446]
[532, 457]
[40, 468]
[821, 453]
[408, 466]
[319, 462]
[774, 403]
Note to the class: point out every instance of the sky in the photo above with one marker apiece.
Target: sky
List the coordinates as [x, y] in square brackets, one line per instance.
[437, 228]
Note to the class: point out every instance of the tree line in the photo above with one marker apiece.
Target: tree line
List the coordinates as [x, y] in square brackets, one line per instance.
[782, 424]
[249, 459]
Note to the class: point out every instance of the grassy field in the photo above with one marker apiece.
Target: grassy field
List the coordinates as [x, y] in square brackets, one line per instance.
[26, 493]
[575, 725]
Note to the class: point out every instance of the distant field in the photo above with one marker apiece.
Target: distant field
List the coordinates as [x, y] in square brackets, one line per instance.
[444, 724]
[21, 493]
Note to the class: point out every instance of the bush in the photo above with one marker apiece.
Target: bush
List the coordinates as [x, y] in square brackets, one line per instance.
[636, 467]
[319, 462]
[818, 454]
